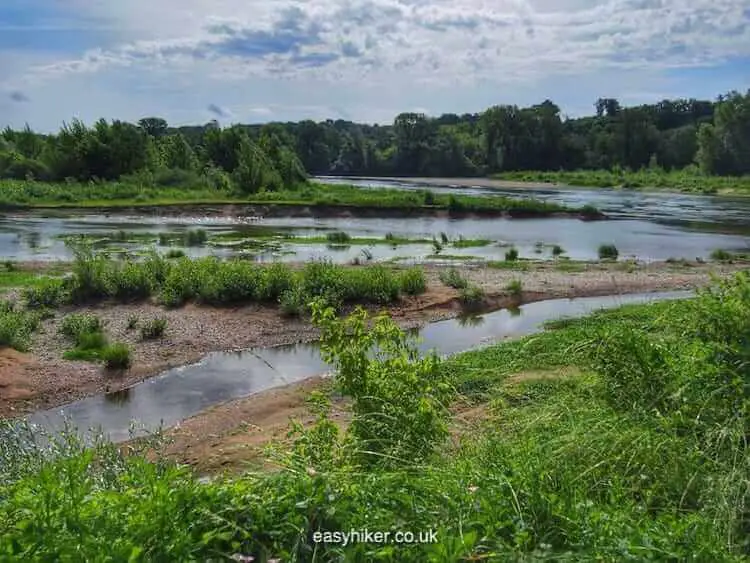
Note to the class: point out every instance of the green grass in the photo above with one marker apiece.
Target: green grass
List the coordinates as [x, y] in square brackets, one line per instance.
[21, 194]
[682, 180]
[215, 282]
[17, 326]
[470, 243]
[453, 278]
[638, 454]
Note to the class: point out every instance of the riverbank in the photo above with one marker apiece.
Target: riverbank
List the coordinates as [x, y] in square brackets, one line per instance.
[43, 379]
[310, 199]
[708, 185]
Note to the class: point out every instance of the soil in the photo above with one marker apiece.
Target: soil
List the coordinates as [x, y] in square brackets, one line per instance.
[42, 379]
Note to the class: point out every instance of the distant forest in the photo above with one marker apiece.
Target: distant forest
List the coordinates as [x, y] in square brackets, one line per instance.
[712, 137]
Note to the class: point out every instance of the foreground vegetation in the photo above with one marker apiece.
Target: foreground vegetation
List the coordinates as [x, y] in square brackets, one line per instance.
[689, 180]
[638, 454]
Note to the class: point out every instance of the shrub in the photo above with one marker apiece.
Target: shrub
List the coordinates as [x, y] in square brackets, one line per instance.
[293, 302]
[77, 324]
[133, 321]
[412, 281]
[195, 238]
[375, 284]
[10, 266]
[721, 255]
[444, 238]
[472, 297]
[608, 252]
[116, 357]
[175, 253]
[428, 197]
[515, 288]
[453, 278]
[154, 329]
[17, 327]
[50, 292]
[557, 250]
[511, 255]
[338, 237]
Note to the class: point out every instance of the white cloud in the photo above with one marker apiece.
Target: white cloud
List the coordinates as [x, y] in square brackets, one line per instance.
[397, 53]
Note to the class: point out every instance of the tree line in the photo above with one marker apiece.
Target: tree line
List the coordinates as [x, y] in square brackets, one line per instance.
[711, 136]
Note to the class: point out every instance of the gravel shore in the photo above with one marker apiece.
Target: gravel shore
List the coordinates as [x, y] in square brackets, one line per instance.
[42, 379]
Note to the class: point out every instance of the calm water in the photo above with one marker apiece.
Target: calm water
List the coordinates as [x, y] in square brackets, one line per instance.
[183, 392]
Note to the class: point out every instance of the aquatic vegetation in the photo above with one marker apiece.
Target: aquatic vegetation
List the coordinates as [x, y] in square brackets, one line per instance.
[721, 255]
[412, 281]
[338, 237]
[608, 252]
[557, 250]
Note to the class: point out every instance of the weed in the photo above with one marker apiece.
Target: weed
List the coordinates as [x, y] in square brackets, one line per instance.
[412, 281]
[437, 246]
[77, 324]
[194, 238]
[17, 327]
[175, 253]
[472, 298]
[557, 250]
[511, 255]
[133, 321]
[721, 255]
[10, 266]
[444, 238]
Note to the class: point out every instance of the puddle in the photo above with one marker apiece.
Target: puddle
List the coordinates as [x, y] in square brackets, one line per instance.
[182, 392]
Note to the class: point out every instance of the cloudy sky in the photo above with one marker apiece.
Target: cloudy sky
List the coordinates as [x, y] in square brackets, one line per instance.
[252, 61]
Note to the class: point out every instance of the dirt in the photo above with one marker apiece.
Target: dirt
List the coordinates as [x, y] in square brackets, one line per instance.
[42, 379]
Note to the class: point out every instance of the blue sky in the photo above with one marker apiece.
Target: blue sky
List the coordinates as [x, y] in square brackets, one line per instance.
[251, 60]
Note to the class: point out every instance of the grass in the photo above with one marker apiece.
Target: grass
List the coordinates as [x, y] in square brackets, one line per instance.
[682, 180]
[618, 437]
[471, 297]
[511, 255]
[116, 357]
[30, 194]
[338, 237]
[214, 282]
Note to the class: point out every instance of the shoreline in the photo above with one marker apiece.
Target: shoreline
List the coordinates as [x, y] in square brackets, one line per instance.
[42, 380]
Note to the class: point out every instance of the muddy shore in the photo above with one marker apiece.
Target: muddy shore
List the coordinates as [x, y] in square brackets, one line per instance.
[42, 379]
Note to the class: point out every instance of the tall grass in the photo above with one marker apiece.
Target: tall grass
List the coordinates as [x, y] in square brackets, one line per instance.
[17, 327]
[215, 282]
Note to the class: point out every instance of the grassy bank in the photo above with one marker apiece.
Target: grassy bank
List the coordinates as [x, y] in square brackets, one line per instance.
[30, 194]
[682, 181]
[639, 453]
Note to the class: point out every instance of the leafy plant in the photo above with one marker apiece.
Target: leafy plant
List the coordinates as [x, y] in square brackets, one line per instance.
[608, 252]
[116, 357]
[154, 329]
[511, 255]
[453, 278]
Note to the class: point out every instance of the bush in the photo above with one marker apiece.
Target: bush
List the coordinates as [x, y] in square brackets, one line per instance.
[175, 253]
[195, 238]
[338, 237]
[154, 329]
[293, 302]
[472, 297]
[116, 357]
[412, 281]
[50, 292]
[557, 250]
[452, 278]
[428, 197]
[511, 255]
[608, 252]
[515, 288]
[77, 324]
[17, 327]
[721, 255]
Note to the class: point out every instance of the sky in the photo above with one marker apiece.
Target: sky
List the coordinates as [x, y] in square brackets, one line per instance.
[251, 61]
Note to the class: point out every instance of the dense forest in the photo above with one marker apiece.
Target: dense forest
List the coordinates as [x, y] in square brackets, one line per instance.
[711, 137]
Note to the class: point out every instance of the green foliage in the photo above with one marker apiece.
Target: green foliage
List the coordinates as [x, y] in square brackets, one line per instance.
[608, 252]
[197, 237]
[471, 297]
[399, 411]
[116, 357]
[49, 292]
[338, 237]
[453, 278]
[77, 324]
[175, 253]
[154, 329]
[557, 250]
[721, 255]
[17, 327]
[511, 255]
[133, 321]
[412, 281]
[515, 288]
